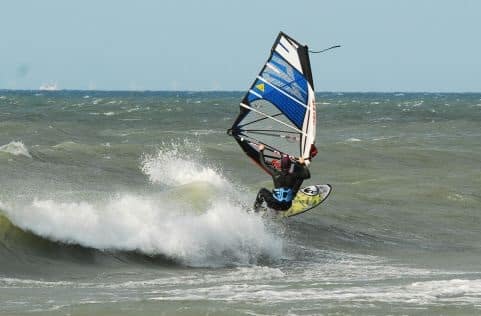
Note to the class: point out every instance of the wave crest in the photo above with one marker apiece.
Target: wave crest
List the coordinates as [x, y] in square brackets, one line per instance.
[16, 148]
[223, 235]
[178, 164]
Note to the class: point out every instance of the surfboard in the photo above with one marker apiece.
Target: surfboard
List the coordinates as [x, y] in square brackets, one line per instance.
[306, 199]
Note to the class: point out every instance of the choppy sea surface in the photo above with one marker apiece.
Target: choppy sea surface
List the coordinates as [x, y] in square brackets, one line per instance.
[133, 203]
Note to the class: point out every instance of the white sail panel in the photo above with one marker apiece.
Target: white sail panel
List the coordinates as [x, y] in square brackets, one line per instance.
[288, 50]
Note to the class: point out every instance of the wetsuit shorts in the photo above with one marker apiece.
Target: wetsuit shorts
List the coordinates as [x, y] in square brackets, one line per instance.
[266, 195]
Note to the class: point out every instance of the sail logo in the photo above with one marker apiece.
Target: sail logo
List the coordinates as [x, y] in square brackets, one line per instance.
[260, 87]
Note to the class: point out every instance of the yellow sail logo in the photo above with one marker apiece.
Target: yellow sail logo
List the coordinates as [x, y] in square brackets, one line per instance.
[260, 87]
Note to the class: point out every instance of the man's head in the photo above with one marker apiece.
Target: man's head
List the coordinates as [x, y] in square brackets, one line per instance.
[285, 163]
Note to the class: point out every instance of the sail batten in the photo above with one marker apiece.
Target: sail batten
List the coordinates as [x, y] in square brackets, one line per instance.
[269, 116]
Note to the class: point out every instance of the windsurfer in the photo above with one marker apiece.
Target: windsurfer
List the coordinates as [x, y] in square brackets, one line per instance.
[287, 182]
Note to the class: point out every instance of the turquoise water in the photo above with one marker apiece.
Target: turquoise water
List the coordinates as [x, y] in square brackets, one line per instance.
[133, 203]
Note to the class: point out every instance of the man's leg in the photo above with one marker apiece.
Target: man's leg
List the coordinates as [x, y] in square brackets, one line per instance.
[261, 197]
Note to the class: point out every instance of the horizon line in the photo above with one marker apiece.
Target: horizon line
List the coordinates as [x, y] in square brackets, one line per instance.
[236, 91]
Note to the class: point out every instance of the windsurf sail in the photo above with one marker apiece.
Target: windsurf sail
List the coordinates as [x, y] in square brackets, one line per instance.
[279, 109]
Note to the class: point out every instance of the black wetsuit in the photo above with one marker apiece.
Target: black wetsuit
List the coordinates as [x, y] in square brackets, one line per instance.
[288, 180]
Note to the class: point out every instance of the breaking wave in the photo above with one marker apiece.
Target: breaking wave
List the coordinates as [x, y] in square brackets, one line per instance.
[172, 223]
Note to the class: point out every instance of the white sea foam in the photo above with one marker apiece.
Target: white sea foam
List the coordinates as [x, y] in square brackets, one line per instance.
[225, 234]
[203, 132]
[383, 138]
[411, 104]
[134, 109]
[383, 119]
[339, 278]
[16, 148]
[439, 292]
[251, 274]
[444, 289]
[353, 140]
[15, 283]
[178, 164]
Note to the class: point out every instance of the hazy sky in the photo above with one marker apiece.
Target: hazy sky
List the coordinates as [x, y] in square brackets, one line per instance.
[417, 45]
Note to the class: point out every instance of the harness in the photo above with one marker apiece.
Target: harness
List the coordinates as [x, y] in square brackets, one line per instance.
[283, 194]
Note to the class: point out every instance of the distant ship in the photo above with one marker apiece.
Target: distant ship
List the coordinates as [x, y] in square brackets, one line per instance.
[49, 87]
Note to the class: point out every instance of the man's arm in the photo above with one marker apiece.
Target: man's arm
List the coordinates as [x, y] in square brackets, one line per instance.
[303, 170]
[263, 161]
[302, 173]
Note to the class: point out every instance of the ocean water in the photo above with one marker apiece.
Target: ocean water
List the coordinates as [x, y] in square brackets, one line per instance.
[133, 203]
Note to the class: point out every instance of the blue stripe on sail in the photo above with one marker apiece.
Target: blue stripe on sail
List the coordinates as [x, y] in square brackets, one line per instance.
[255, 91]
[290, 108]
[251, 97]
[285, 83]
[290, 80]
[280, 67]
[302, 82]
